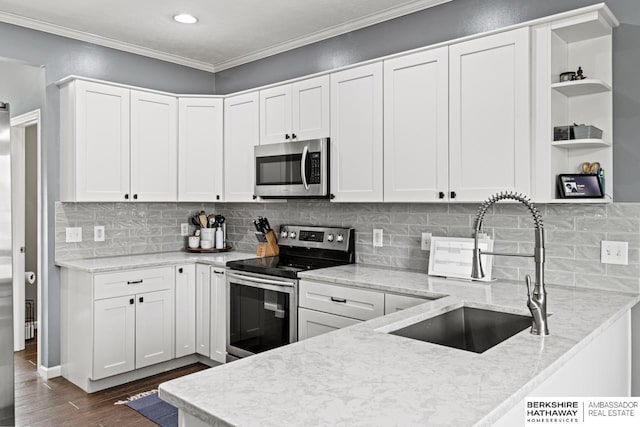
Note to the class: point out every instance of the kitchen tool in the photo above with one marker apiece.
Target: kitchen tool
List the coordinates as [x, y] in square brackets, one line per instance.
[202, 218]
[196, 221]
[194, 242]
[211, 219]
[260, 237]
[206, 244]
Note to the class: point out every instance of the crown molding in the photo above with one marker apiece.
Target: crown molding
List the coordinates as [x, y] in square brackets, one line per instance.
[327, 33]
[336, 30]
[58, 30]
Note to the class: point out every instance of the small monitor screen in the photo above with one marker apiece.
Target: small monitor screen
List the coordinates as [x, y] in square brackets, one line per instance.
[579, 186]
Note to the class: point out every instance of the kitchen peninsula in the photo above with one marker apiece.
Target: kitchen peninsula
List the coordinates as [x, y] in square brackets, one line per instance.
[362, 375]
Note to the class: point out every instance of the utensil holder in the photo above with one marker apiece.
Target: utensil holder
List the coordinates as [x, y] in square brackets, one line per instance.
[270, 248]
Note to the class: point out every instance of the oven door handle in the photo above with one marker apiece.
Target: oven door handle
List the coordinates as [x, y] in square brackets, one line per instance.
[259, 280]
[303, 167]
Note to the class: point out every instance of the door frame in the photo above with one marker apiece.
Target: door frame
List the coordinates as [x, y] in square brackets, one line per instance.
[23, 121]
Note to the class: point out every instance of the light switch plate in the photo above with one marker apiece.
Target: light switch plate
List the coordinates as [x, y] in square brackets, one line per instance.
[377, 238]
[184, 229]
[426, 241]
[73, 234]
[98, 233]
[614, 252]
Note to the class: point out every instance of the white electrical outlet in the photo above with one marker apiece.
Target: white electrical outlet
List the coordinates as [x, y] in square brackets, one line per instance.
[184, 229]
[377, 238]
[98, 233]
[614, 252]
[426, 241]
[73, 234]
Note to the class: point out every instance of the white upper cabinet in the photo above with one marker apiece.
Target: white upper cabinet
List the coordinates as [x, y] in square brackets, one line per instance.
[94, 134]
[275, 115]
[356, 134]
[241, 134]
[489, 116]
[200, 151]
[310, 109]
[416, 127]
[154, 147]
[295, 112]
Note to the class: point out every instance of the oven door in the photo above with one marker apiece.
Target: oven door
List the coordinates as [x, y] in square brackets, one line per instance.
[261, 313]
[292, 169]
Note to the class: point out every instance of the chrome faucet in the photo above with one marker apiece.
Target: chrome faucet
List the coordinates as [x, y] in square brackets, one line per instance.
[536, 301]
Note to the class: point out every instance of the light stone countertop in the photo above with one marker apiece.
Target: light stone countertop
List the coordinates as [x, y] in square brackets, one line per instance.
[101, 265]
[362, 375]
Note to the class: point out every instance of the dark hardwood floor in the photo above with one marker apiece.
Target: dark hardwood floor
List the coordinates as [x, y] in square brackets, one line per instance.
[57, 402]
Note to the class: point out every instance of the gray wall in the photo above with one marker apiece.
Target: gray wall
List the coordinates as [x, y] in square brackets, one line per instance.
[461, 18]
[21, 85]
[61, 57]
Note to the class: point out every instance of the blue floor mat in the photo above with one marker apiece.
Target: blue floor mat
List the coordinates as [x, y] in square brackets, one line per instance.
[156, 409]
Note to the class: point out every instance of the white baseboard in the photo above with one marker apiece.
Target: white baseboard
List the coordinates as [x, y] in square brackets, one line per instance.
[48, 373]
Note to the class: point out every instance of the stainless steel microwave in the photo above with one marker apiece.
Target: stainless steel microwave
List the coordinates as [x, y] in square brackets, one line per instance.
[292, 169]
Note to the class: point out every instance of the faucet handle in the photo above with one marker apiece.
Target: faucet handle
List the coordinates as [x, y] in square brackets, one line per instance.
[527, 280]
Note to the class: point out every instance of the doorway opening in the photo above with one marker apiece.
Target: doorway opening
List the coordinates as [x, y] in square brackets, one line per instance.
[26, 165]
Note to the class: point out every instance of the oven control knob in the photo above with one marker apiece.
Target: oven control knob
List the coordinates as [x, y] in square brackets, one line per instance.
[284, 234]
[330, 238]
[292, 235]
[340, 238]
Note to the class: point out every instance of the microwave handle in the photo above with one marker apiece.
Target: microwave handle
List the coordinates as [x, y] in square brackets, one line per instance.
[303, 167]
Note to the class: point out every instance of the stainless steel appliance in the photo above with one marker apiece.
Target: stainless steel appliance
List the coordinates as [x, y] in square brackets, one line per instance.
[292, 169]
[262, 293]
[7, 415]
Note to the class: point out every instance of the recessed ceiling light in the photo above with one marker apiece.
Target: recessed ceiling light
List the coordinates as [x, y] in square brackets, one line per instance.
[185, 18]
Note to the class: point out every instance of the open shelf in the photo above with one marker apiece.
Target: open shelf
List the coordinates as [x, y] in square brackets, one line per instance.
[581, 143]
[581, 87]
[587, 26]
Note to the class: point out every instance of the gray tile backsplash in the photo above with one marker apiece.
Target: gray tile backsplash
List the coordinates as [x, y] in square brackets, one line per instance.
[573, 233]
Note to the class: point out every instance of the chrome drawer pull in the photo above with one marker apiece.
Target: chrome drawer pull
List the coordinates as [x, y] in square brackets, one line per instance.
[334, 299]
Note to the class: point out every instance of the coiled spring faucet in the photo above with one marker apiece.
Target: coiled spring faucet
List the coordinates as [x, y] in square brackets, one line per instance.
[536, 300]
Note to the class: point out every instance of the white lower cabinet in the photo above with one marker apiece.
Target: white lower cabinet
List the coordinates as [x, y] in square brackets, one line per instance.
[154, 328]
[218, 318]
[312, 323]
[113, 323]
[185, 310]
[114, 327]
[203, 308]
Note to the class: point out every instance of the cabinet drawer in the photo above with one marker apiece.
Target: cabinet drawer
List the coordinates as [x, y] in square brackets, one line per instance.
[132, 282]
[313, 323]
[355, 303]
[394, 302]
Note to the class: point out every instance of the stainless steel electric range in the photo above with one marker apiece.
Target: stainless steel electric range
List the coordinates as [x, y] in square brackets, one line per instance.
[262, 293]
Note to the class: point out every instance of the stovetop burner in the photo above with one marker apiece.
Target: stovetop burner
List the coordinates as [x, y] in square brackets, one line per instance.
[303, 248]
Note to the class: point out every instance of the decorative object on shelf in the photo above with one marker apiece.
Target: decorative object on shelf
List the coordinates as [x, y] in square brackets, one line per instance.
[568, 76]
[581, 186]
[591, 168]
[580, 75]
[576, 131]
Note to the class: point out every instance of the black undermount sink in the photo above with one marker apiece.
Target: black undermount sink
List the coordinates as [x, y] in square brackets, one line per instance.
[467, 328]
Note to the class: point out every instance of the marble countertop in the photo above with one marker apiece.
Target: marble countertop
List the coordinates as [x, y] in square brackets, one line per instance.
[361, 375]
[100, 265]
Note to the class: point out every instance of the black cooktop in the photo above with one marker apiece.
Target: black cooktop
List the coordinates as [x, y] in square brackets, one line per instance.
[282, 266]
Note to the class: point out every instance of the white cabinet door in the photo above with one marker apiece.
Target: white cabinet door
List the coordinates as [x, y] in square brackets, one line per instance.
[312, 323]
[356, 134]
[101, 143]
[489, 115]
[393, 302]
[218, 328]
[154, 147]
[113, 336]
[275, 115]
[154, 328]
[200, 152]
[416, 127]
[203, 308]
[310, 108]
[241, 134]
[185, 337]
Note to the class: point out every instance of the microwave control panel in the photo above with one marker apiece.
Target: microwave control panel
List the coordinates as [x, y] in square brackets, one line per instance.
[316, 174]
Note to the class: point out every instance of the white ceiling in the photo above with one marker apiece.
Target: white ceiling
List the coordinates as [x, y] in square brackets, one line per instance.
[229, 33]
